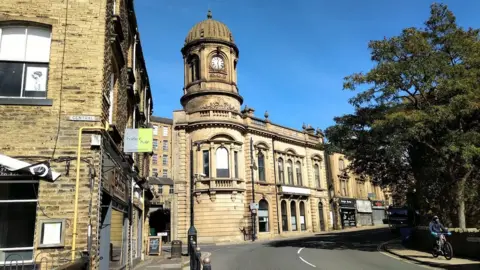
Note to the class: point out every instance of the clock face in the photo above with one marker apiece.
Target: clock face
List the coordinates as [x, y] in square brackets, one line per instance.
[217, 63]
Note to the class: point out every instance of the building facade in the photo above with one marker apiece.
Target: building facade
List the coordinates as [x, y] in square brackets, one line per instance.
[161, 163]
[72, 79]
[355, 201]
[234, 158]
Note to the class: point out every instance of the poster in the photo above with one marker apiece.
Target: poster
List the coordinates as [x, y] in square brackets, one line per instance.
[36, 78]
[51, 233]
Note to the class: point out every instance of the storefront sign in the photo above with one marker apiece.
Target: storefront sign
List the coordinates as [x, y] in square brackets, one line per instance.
[364, 206]
[138, 140]
[378, 205]
[346, 203]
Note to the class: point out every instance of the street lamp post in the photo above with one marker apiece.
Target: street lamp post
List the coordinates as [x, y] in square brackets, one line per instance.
[192, 232]
[253, 210]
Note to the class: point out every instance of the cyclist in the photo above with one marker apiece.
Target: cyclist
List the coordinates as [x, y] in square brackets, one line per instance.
[435, 228]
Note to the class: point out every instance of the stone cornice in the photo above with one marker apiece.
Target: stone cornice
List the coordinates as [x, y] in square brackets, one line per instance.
[203, 92]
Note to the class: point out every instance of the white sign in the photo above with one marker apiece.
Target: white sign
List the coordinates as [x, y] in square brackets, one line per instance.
[295, 190]
[51, 233]
[162, 234]
[253, 206]
[86, 118]
[364, 206]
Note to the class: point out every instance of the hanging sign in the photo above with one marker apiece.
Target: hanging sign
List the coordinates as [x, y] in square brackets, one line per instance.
[138, 140]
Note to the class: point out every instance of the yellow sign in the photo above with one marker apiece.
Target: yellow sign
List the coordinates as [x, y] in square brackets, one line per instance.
[139, 140]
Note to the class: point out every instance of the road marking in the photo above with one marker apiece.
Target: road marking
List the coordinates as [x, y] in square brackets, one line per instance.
[303, 260]
[380, 249]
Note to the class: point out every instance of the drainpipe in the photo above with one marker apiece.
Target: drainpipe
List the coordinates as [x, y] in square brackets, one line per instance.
[276, 187]
[77, 184]
[131, 195]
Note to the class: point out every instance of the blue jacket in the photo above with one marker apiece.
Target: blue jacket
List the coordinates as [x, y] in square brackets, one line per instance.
[436, 227]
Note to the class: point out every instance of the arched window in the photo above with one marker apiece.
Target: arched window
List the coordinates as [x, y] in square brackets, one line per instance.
[263, 216]
[261, 166]
[303, 225]
[194, 68]
[316, 170]
[284, 216]
[341, 165]
[293, 215]
[281, 175]
[290, 172]
[222, 161]
[298, 169]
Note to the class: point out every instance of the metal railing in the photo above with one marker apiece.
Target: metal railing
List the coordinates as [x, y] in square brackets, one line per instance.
[45, 260]
[196, 262]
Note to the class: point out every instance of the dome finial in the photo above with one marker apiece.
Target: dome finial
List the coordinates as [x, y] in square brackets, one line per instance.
[209, 14]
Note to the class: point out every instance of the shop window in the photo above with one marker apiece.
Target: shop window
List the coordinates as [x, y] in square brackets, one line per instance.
[284, 216]
[24, 59]
[263, 216]
[18, 207]
[303, 225]
[293, 215]
[261, 166]
[222, 161]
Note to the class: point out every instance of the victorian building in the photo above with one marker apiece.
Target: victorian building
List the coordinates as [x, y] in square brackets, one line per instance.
[72, 81]
[239, 163]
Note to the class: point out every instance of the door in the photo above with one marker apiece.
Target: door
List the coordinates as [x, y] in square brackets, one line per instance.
[105, 223]
[378, 216]
[321, 217]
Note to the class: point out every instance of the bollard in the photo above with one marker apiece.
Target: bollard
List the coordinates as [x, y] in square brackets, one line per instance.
[206, 264]
[198, 259]
[191, 251]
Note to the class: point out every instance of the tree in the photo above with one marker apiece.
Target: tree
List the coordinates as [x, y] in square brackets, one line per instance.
[416, 121]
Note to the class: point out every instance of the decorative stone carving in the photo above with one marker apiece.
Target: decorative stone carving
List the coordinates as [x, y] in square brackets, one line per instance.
[213, 196]
[198, 197]
[218, 106]
[234, 196]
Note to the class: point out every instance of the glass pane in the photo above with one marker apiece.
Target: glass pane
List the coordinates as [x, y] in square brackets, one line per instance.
[38, 44]
[12, 45]
[17, 224]
[15, 256]
[10, 79]
[18, 191]
[222, 158]
[35, 82]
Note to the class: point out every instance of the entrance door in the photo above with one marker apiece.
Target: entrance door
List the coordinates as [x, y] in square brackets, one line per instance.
[321, 217]
[105, 223]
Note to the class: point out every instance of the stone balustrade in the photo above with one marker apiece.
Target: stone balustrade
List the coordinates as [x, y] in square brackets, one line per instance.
[214, 184]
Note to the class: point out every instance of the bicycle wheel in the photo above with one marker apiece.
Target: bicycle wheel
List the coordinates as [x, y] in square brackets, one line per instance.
[434, 253]
[447, 250]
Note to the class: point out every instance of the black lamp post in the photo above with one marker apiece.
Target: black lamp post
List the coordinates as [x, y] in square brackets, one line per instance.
[253, 210]
[192, 232]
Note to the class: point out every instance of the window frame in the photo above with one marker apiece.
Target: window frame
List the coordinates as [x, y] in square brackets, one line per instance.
[261, 166]
[206, 165]
[165, 160]
[22, 99]
[165, 145]
[165, 131]
[298, 170]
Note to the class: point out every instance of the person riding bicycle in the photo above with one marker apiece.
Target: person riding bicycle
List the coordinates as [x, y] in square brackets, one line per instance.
[435, 229]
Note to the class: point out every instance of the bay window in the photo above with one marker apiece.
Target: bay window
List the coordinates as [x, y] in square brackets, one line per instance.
[24, 59]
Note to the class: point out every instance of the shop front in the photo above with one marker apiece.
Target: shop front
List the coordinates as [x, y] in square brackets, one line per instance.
[347, 212]
[378, 212]
[364, 213]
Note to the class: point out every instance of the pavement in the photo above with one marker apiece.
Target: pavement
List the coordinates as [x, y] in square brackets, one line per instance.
[357, 249]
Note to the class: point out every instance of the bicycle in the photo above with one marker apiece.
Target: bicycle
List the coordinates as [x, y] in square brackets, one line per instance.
[444, 247]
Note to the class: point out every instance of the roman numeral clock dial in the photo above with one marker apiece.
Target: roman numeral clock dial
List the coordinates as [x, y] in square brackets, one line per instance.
[217, 63]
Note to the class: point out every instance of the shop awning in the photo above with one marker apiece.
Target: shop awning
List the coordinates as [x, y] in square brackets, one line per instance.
[11, 168]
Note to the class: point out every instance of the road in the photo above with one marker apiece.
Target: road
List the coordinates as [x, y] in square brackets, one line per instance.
[334, 251]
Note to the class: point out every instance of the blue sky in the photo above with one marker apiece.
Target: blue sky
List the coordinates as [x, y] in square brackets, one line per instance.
[293, 54]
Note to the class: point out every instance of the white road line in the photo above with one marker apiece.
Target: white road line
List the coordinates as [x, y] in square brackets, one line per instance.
[303, 260]
[380, 249]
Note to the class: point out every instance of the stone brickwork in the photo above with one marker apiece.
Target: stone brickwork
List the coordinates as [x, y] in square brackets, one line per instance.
[82, 59]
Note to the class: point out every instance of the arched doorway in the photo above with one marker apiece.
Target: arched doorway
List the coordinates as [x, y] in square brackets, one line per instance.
[321, 217]
[263, 216]
[293, 215]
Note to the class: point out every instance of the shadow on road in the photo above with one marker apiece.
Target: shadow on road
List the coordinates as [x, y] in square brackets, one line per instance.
[366, 240]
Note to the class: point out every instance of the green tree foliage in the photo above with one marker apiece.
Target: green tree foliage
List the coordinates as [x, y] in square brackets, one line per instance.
[417, 114]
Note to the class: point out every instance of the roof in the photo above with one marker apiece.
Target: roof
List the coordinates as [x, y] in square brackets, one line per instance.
[209, 29]
[160, 181]
[163, 120]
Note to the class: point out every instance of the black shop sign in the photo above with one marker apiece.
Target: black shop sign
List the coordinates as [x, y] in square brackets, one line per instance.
[346, 203]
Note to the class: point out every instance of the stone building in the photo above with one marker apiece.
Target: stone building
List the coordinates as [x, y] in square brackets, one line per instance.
[355, 201]
[237, 158]
[161, 163]
[67, 66]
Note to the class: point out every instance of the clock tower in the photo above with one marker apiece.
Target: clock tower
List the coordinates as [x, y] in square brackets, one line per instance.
[210, 60]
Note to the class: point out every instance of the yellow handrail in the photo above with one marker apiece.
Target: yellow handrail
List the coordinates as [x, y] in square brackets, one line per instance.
[77, 183]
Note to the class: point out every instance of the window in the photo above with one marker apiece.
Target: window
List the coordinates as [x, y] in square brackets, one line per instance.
[160, 190]
[165, 159]
[24, 57]
[165, 145]
[293, 215]
[302, 217]
[155, 130]
[206, 163]
[18, 207]
[111, 94]
[284, 216]
[261, 166]
[155, 144]
[154, 171]
[171, 191]
[281, 176]
[165, 131]
[298, 166]
[154, 159]
[194, 66]
[222, 162]
[290, 172]
[316, 170]
[343, 187]
[165, 173]
[235, 161]
[360, 189]
[263, 216]
[341, 165]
